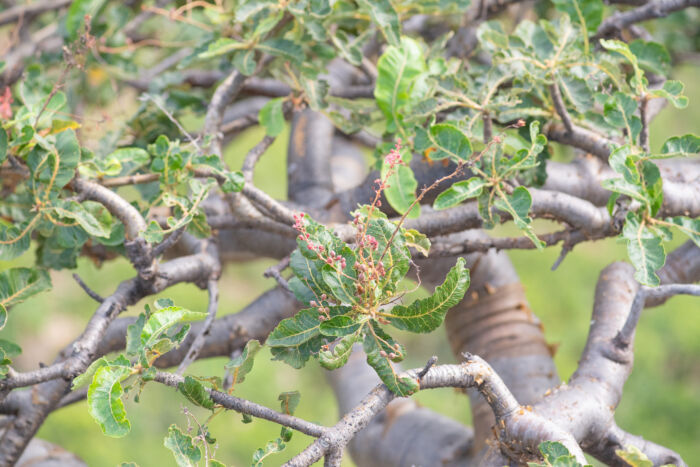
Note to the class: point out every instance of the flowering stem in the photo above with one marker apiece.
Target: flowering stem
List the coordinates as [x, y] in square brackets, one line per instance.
[424, 191]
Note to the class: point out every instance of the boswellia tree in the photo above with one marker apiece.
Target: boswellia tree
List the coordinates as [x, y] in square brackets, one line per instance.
[476, 114]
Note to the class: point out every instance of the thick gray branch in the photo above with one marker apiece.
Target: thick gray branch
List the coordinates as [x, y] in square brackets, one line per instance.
[614, 24]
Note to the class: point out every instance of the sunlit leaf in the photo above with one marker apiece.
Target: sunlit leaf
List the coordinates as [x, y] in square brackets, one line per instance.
[183, 448]
[241, 365]
[271, 116]
[104, 398]
[194, 391]
[458, 192]
[427, 314]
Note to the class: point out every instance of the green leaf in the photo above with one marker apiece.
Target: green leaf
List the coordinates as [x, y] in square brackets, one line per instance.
[686, 145]
[652, 186]
[401, 192]
[163, 319]
[617, 46]
[459, 192]
[645, 250]
[271, 116]
[195, 392]
[577, 91]
[634, 457]
[619, 112]
[588, 13]
[8, 350]
[222, 46]
[449, 141]
[397, 258]
[347, 47]
[240, 366]
[339, 354]
[133, 336]
[300, 328]
[283, 48]
[77, 212]
[15, 239]
[555, 454]
[552, 450]
[130, 155]
[383, 14]
[3, 316]
[377, 348]
[3, 145]
[690, 227]
[341, 283]
[244, 61]
[183, 448]
[289, 401]
[398, 68]
[307, 272]
[54, 164]
[271, 447]
[75, 18]
[89, 373]
[427, 314]
[651, 56]
[339, 326]
[316, 91]
[517, 204]
[18, 284]
[417, 240]
[673, 91]
[68, 150]
[104, 398]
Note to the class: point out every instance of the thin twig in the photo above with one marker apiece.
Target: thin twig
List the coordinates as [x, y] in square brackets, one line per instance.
[624, 338]
[169, 242]
[615, 23]
[644, 133]
[248, 407]
[91, 293]
[488, 127]
[560, 107]
[278, 211]
[431, 361]
[253, 157]
[198, 342]
[27, 11]
[275, 272]
[565, 250]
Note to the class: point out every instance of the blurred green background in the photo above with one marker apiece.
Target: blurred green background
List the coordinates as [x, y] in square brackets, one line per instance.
[661, 401]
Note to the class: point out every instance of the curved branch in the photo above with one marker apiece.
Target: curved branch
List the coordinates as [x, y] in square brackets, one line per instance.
[225, 93]
[27, 12]
[513, 423]
[617, 439]
[615, 23]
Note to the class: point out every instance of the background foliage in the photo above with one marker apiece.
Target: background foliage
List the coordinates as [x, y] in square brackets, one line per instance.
[660, 399]
[662, 388]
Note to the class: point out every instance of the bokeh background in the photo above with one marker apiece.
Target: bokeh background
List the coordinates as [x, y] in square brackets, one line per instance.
[661, 400]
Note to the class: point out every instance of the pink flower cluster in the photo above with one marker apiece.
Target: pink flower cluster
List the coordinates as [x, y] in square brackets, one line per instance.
[333, 258]
[394, 157]
[370, 241]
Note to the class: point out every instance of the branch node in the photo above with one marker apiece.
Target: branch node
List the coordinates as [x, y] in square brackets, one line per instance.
[431, 361]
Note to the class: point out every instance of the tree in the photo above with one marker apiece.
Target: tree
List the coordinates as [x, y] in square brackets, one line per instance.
[463, 106]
